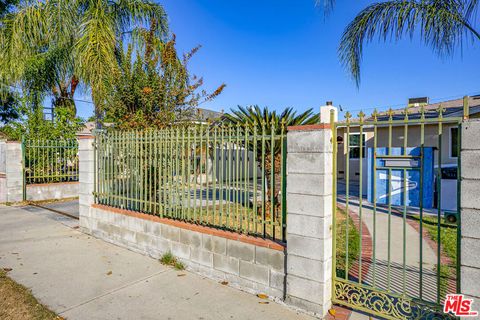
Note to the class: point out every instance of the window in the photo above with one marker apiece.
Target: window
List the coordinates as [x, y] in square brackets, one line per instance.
[454, 142]
[354, 146]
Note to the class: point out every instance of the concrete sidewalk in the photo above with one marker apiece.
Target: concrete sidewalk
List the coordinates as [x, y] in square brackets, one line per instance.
[81, 277]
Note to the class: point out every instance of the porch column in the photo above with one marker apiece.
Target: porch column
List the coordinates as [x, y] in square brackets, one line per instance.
[309, 208]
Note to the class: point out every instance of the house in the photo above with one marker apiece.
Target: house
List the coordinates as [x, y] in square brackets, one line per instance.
[469, 106]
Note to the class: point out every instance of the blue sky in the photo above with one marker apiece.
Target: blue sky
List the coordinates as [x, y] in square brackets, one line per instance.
[283, 53]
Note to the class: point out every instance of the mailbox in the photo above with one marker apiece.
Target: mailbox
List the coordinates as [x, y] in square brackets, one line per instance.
[397, 174]
[401, 163]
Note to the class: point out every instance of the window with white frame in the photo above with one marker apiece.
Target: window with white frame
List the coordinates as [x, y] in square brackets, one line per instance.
[354, 145]
[454, 142]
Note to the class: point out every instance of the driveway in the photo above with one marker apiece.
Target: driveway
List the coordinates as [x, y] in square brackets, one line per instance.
[81, 277]
[69, 207]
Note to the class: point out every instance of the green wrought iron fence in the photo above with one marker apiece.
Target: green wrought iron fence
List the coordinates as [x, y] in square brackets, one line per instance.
[50, 161]
[396, 245]
[229, 177]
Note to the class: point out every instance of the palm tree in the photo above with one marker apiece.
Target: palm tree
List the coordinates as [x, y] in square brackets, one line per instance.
[58, 44]
[266, 121]
[444, 25]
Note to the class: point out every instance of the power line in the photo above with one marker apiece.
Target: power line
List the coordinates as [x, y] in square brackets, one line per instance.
[434, 100]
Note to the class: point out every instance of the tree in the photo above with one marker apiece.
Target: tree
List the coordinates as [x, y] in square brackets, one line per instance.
[266, 121]
[444, 25]
[155, 89]
[31, 124]
[9, 106]
[55, 45]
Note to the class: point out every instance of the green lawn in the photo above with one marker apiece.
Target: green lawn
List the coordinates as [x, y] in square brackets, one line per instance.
[341, 242]
[233, 217]
[448, 235]
[448, 244]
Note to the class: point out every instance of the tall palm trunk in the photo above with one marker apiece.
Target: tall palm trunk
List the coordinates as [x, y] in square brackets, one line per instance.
[63, 95]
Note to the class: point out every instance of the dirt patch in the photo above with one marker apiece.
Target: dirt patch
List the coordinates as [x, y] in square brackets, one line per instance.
[18, 303]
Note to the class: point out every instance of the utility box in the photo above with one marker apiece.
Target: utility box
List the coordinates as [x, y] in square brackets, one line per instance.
[399, 175]
[448, 200]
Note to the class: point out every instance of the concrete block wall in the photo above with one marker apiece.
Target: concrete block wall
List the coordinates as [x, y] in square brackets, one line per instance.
[50, 191]
[248, 263]
[309, 218]
[12, 180]
[3, 175]
[301, 273]
[470, 210]
[3, 154]
[14, 171]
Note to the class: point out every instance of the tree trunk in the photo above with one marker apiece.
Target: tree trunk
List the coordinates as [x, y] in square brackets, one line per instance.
[277, 185]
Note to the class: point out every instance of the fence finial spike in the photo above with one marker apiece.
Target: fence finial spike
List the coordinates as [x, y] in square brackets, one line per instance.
[273, 124]
[405, 113]
[375, 114]
[441, 109]
[390, 113]
[348, 116]
[361, 116]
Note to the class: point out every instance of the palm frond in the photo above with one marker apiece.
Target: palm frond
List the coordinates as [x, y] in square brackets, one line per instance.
[442, 26]
[326, 4]
[94, 50]
[268, 119]
[471, 9]
[131, 14]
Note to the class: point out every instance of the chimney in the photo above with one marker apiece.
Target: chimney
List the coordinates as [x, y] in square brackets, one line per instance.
[418, 102]
[325, 112]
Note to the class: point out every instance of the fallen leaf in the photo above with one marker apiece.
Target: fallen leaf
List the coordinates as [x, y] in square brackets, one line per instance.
[262, 296]
[181, 274]
[332, 312]
[109, 273]
[224, 283]
[7, 269]
[76, 227]
[263, 302]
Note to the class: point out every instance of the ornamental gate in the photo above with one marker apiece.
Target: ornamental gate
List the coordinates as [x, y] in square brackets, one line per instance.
[397, 224]
[51, 174]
